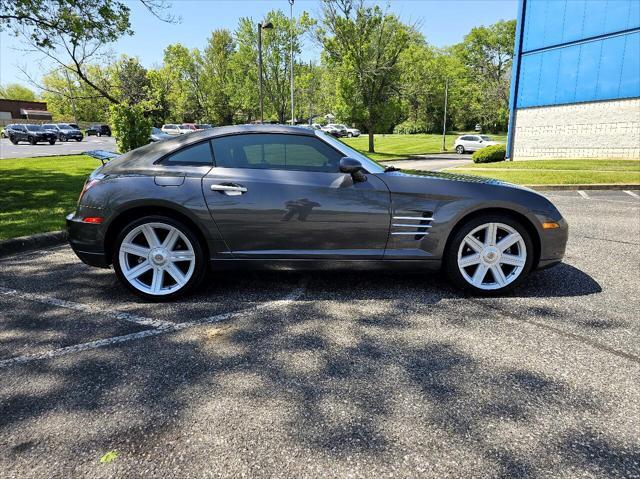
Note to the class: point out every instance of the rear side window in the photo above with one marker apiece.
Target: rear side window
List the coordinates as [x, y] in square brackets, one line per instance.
[277, 152]
[199, 154]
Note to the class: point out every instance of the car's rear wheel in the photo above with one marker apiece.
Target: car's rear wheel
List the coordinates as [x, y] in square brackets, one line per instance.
[349, 135]
[158, 258]
[460, 149]
[32, 141]
[52, 142]
[490, 254]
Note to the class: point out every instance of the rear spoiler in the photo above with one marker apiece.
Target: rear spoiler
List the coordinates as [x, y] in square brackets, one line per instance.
[102, 155]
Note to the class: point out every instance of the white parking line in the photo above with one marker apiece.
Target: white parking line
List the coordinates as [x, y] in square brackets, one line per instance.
[631, 193]
[61, 303]
[583, 194]
[171, 327]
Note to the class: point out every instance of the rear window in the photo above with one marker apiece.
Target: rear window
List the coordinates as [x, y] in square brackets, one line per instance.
[199, 154]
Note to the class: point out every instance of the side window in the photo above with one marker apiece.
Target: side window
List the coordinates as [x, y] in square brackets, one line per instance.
[467, 138]
[276, 151]
[199, 154]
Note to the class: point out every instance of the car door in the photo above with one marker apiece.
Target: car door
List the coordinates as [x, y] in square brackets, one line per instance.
[21, 133]
[282, 196]
[475, 143]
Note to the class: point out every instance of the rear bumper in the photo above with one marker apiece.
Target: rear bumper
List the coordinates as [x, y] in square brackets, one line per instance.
[87, 242]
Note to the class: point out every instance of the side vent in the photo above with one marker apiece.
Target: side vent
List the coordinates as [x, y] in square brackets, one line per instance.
[412, 226]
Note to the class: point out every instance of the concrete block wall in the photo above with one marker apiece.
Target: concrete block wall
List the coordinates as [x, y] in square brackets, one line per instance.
[607, 129]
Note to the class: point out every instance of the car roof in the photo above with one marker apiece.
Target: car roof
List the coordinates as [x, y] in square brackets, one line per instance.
[143, 159]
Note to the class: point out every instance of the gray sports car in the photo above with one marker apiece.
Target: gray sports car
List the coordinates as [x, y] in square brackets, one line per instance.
[290, 197]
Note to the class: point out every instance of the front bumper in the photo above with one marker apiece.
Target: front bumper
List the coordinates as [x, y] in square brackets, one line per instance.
[553, 244]
[87, 241]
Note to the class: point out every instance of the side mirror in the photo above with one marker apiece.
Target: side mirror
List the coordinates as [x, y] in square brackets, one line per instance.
[354, 168]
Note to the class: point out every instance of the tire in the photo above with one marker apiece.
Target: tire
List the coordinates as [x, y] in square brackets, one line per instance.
[13, 140]
[32, 141]
[52, 142]
[143, 282]
[459, 149]
[488, 256]
[78, 140]
[64, 138]
[349, 135]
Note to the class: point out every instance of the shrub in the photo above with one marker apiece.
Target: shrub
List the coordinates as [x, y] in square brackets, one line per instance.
[490, 154]
[130, 126]
[409, 127]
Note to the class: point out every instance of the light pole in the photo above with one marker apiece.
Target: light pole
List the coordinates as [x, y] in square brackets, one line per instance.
[444, 122]
[292, 26]
[266, 26]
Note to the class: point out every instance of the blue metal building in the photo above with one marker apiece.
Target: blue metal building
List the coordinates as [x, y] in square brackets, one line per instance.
[576, 72]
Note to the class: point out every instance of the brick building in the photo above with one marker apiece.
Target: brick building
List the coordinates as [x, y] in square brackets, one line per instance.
[575, 90]
[23, 110]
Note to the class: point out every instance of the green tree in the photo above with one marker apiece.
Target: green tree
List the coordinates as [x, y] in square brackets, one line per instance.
[187, 94]
[131, 80]
[487, 52]
[276, 60]
[131, 126]
[69, 98]
[217, 77]
[365, 44]
[15, 91]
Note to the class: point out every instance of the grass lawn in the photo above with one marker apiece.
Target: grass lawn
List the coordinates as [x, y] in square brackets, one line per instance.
[37, 193]
[548, 172]
[390, 147]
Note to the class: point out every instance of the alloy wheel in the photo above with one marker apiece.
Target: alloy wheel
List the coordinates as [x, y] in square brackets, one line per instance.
[157, 258]
[492, 256]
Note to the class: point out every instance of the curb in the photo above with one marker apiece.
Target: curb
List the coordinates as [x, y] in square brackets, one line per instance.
[591, 186]
[26, 243]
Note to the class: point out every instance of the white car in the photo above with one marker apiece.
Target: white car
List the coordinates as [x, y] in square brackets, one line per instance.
[469, 143]
[171, 129]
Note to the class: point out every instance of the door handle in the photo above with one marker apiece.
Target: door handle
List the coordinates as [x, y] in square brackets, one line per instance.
[230, 190]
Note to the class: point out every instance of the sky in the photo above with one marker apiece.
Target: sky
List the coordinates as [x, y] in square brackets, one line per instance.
[442, 22]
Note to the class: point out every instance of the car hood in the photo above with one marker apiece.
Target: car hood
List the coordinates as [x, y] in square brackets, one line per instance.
[451, 187]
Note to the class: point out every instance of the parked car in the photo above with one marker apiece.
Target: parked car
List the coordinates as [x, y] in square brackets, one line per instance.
[2, 133]
[203, 126]
[157, 135]
[99, 130]
[63, 131]
[344, 130]
[187, 128]
[333, 131]
[74, 126]
[32, 133]
[469, 143]
[171, 129]
[276, 196]
[478, 127]
[316, 126]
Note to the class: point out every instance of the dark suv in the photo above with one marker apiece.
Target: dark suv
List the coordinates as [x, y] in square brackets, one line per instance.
[63, 131]
[99, 130]
[31, 133]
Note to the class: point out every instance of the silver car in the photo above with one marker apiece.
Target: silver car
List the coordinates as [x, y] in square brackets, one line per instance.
[471, 143]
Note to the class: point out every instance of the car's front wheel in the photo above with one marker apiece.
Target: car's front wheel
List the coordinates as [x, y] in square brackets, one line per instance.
[158, 257]
[52, 142]
[460, 149]
[13, 140]
[489, 254]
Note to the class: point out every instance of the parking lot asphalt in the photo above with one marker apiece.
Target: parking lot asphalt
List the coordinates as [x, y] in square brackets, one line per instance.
[25, 150]
[352, 374]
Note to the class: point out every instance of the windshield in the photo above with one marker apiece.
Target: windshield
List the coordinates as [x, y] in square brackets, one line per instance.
[340, 127]
[485, 137]
[34, 128]
[371, 165]
[64, 126]
[155, 131]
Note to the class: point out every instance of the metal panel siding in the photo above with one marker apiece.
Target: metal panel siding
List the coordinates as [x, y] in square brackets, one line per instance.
[560, 60]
